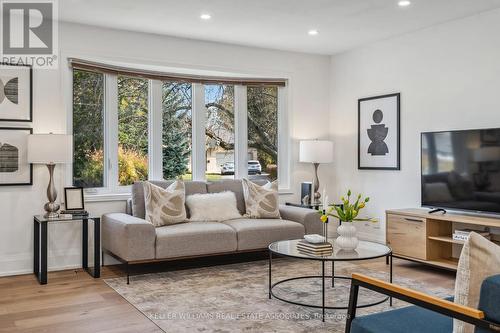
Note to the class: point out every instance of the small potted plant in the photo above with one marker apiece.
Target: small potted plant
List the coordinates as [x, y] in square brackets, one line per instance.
[347, 213]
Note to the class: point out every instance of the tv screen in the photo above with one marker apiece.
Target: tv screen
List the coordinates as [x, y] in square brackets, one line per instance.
[461, 170]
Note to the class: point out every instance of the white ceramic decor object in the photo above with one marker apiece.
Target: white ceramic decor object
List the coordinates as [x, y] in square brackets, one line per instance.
[347, 239]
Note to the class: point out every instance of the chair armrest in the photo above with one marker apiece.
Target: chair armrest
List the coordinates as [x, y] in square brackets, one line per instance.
[447, 308]
[128, 237]
[309, 218]
[419, 296]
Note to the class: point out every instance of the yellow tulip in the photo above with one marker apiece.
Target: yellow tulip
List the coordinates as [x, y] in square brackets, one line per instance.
[324, 218]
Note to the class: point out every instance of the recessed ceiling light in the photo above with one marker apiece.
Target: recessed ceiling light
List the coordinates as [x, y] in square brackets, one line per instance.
[313, 32]
[404, 3]
[205, 16]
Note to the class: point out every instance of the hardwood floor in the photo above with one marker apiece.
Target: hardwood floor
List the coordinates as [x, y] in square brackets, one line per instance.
[74, 302]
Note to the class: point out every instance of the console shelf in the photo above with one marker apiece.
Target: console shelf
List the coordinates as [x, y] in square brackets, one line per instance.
[416, 235]
[446, 239]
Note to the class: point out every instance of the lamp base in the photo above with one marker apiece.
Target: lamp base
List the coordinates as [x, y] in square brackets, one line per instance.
[51, 209]
[51, 215]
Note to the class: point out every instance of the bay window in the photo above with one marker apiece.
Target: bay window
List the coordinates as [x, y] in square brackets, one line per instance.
[129, 128]
[177, 130]
[132, 130]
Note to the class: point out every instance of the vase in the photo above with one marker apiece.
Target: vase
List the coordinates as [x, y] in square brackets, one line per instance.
[347, 239]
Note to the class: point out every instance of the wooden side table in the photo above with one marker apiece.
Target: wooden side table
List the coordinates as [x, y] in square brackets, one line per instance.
[40, 244]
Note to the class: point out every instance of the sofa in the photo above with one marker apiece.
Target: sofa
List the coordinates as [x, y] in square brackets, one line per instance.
[129, 238]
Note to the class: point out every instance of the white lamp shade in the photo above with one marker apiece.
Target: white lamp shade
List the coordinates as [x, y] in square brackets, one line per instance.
[316, 151]
[50, 148]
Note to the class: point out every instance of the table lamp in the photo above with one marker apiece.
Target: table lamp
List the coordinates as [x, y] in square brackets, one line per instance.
[50, 149]
[316, 152]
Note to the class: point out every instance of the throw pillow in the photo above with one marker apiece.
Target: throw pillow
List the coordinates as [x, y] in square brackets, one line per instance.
[479, 259]
[261, 202]
[165, 206]
[213, 206]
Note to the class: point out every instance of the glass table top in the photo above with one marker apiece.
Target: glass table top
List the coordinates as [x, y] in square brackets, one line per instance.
[365, 250]
[63, 218]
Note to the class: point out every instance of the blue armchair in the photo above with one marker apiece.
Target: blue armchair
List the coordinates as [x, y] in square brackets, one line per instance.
[428, 314]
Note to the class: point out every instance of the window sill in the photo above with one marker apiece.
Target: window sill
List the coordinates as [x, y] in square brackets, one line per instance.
[107, 197]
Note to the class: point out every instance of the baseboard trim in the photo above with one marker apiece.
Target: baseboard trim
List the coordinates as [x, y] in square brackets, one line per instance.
[19, 264]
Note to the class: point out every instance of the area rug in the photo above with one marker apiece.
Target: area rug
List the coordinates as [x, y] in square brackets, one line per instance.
[234, 298]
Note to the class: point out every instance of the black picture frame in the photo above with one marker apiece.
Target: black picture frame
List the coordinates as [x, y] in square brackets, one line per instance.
[30, 119]
[66, 189]
[30, 182]
[398, 137]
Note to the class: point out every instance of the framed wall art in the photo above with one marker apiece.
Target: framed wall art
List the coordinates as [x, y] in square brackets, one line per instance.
[378, 132]
[16, 83]
[14, 166]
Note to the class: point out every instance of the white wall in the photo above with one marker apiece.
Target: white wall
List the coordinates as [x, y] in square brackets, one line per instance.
[449, 78]
[309, 116]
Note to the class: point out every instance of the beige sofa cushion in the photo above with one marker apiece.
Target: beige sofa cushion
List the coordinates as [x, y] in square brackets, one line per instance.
[233, 185]
[214, 207]
[479, 259]
[138, 208]
[262, 202]
[194, 238]
[259, 233]
[165, 206]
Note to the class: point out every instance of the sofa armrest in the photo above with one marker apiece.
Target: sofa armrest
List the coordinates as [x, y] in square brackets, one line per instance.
[128, 237]
[309, 218]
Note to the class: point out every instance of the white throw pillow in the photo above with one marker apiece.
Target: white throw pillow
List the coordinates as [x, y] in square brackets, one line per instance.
[262, 202]
[218, 207]
[165, 206]
[479, 259]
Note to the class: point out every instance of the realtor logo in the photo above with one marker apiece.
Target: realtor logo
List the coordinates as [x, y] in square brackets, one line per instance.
[29, 32]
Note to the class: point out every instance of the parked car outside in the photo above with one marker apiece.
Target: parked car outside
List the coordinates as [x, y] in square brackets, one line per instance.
[254, 167]
[227, 168]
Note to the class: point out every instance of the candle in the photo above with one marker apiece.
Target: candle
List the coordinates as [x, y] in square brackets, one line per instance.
[325, 203]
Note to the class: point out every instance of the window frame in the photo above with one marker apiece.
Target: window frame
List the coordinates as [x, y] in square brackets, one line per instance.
[113, 191]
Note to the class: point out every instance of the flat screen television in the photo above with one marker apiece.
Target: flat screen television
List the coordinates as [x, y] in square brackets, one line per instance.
[461, 170]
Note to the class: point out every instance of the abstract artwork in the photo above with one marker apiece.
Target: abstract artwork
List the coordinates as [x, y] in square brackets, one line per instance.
[15, 93]
[14, 166]
[378, 132]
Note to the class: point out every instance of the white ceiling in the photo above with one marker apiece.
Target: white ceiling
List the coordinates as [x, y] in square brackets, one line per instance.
[277, 24]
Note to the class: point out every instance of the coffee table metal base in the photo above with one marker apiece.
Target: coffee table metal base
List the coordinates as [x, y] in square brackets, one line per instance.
[384, 299]
[323, 278]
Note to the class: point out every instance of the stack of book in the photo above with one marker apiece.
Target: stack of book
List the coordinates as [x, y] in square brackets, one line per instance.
[463, 234]
[317, 249]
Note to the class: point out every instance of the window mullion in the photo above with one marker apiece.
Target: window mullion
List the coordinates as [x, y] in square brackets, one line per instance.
[155, 127]
[199, 115]
[111, 132]
[284, 164]
[240, 132]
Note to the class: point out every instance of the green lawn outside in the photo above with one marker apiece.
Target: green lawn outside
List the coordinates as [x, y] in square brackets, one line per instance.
[210, 177]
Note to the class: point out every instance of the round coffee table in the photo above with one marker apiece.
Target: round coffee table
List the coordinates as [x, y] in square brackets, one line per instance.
[365, 251]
